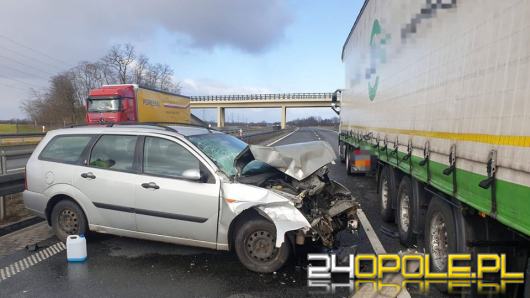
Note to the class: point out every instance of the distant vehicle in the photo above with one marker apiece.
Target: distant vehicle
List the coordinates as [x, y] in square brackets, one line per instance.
[438, 104]
[133, 103]
[192, 186]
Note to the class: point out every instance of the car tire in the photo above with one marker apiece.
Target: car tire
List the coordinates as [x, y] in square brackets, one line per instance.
[387, 190]
[405, 212]
[440, 234]
[254, 244]
[68, 218]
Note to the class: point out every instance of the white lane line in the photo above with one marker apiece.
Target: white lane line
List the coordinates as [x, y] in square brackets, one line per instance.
[30, 261]
[285, 136]
[369, 230]
[366, 290]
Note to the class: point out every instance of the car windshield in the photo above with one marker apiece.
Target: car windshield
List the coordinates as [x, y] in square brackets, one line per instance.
[103, 105]
[220, 148]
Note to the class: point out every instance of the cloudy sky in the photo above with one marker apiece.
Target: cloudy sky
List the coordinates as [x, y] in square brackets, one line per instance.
[214, 46]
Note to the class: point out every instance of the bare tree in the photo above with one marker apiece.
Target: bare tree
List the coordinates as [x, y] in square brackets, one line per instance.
[120, 58]
[140, 68]
[64, 100]
[160, 76]
[58, 104]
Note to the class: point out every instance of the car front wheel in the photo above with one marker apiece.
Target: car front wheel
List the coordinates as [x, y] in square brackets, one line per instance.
[255, 246]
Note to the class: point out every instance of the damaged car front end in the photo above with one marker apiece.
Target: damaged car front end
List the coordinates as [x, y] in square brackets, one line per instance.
[276, 197]
[299, 173]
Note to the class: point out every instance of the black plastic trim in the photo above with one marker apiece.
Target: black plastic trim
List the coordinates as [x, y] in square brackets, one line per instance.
[151, 213]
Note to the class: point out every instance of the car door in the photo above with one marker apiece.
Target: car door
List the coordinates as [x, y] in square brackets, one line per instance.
[178, 196]
[109, 178]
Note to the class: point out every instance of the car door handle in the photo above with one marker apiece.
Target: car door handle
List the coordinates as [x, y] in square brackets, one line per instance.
[150, 185]
[88, 175]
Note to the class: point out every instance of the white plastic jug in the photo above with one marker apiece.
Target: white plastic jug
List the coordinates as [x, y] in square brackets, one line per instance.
[76, 248]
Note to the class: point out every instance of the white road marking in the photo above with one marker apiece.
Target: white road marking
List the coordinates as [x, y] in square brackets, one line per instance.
[366, 290]
[285, 136]
[369, 230]
[31, 260]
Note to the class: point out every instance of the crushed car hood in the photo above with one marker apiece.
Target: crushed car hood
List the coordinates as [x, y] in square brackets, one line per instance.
[298, 160]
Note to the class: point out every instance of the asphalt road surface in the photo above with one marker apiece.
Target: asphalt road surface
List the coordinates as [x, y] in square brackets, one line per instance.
[119, 266]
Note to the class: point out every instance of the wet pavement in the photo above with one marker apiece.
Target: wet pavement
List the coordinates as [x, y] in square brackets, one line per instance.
[118, 266]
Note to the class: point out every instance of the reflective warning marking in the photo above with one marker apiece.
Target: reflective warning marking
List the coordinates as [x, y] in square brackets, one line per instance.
[31, 260]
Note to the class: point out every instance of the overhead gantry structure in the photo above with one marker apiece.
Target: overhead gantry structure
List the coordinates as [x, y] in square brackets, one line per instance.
[279, 100]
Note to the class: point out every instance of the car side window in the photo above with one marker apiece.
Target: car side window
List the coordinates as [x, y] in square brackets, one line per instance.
[65, 148]
[166, 158]
[114, 152]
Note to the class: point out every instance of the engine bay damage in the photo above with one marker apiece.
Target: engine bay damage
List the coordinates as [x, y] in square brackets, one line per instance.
[327, 205]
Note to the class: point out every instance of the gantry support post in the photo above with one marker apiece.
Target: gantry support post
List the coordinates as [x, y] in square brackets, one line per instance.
[284, 117]
[220, 117]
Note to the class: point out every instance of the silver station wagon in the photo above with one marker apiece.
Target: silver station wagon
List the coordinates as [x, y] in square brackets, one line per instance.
[191, 186]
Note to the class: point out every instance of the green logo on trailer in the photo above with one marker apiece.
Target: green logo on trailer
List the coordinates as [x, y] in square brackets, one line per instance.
[377, 55]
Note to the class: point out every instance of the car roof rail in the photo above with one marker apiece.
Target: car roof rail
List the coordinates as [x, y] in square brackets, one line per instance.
[163, 125]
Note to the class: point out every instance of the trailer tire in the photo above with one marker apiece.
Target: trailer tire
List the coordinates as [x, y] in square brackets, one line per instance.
[387, 191]
[348, 161]
[405, 212]
[440, 234]
[342, 152]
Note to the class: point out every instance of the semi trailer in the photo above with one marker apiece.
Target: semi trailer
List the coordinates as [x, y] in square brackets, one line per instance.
[133, 103]
[437, 104]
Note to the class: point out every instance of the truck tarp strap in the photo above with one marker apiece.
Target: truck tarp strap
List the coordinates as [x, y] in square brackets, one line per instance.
[425, 161]
[452, 167]
[490, 182]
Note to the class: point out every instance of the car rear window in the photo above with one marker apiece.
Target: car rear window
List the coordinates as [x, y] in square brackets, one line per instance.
[67, 149]
[114, 152]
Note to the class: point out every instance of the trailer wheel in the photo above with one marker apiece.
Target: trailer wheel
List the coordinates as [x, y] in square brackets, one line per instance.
[342, 152]
[440, 234]
[387, 190]
[348, 161]
[405, 212]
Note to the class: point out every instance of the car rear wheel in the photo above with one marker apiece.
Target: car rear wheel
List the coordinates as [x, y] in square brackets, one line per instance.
[68, 218]
[255, 246]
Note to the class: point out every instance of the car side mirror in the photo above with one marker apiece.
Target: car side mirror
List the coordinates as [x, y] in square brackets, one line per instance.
[192, 174]
[195, 175]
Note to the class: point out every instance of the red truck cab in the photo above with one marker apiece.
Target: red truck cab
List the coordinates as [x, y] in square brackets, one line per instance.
[113, 103]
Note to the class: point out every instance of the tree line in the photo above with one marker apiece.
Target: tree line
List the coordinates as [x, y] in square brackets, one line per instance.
[63, 102]
[314, 121]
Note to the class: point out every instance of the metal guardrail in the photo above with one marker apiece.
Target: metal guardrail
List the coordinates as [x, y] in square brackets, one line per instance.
[12, 164]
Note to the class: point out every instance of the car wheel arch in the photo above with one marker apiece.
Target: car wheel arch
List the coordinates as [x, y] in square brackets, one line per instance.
[54, 200]
[245, 215]
[253, 213]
